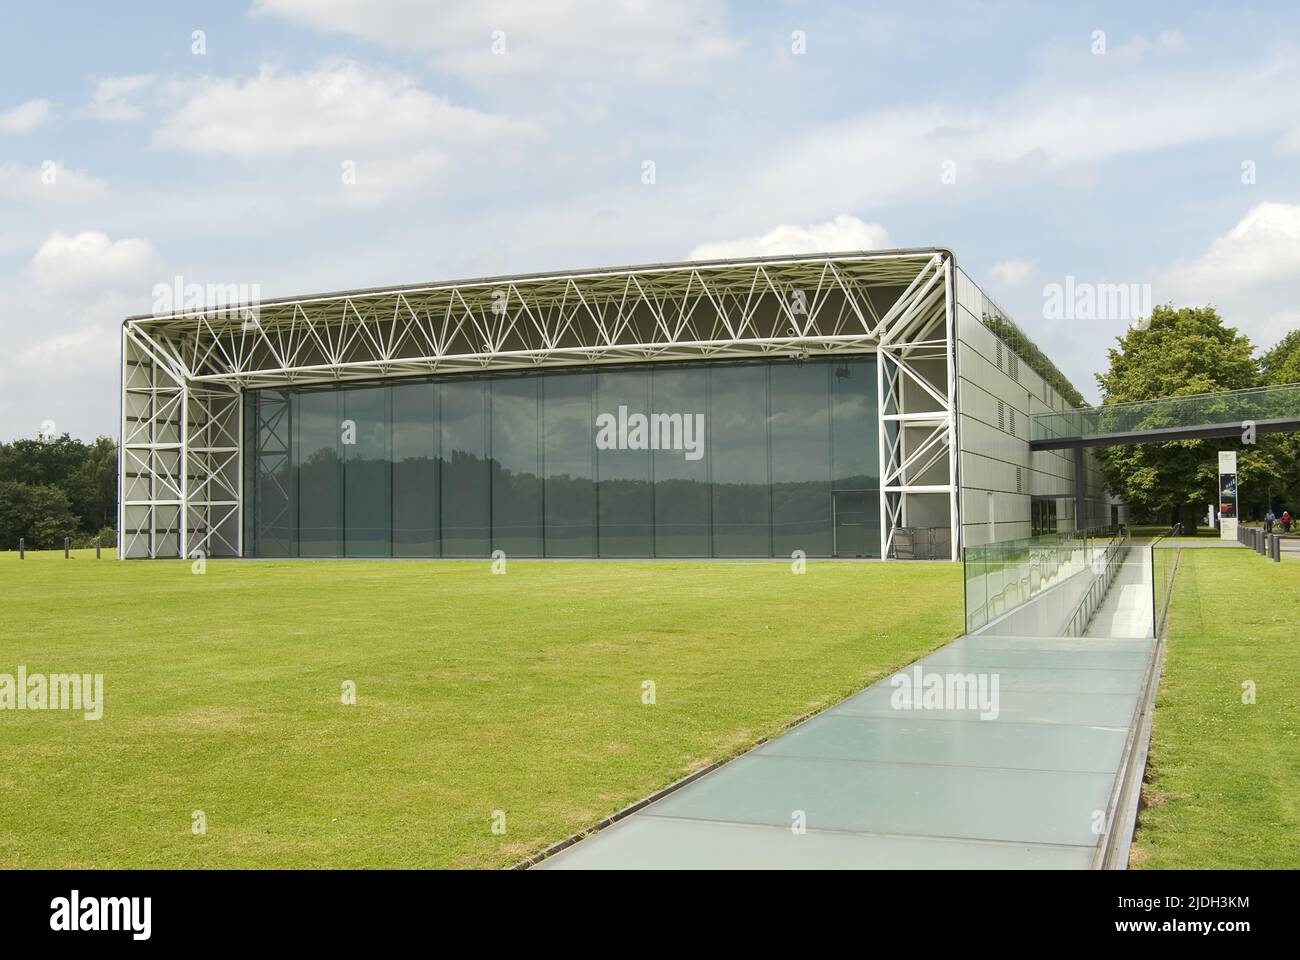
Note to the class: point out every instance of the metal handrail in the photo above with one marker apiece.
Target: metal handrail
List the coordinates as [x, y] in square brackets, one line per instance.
[1157, 617]
[1096, 592]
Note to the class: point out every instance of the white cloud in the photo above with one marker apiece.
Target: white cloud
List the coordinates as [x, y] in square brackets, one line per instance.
[51, 181]
[554, 39]
[1171, 40]
[91, 261]
[62, 357]
[395, 135]
[842, 233]
[343, 106]
[1011, 273]
[1054, 128]
[111, 99]
[62, 360]
[1251, 274]
[74, 350]
[1263, 247]
[1167, 41]
[25, 116]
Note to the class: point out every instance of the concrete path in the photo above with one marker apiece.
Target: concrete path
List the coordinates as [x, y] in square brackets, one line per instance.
[889, 779]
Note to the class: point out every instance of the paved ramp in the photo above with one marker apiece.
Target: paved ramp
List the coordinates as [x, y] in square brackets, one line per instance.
[1126, 610]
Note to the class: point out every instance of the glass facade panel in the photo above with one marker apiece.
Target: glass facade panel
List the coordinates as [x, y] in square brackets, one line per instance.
[855, 439]
[800, 425]
[682, 502]
[853, 524]
[516, 466]
[318, 423]
[723, 459]
[624, 492]
[465, 494]
[367, 473]
[736, 430]
[568, 455]
[416, 523]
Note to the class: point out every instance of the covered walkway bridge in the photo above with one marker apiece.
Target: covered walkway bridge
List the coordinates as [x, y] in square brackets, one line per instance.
[1197, 417]
[1226, 414]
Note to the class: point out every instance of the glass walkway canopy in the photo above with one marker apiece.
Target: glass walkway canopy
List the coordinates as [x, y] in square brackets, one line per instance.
[1269, 409]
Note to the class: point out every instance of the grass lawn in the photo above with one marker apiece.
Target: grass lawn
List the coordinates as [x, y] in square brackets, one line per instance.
[1223, 778]
[475, 693]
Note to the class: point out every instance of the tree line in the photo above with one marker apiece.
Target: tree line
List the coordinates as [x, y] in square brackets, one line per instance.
[57, 487]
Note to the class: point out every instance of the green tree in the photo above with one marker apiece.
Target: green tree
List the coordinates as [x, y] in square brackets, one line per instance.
[39, 514]
[40, 461]
[1281, 365]
[86, 473]
[1182, 352]
[92, 486]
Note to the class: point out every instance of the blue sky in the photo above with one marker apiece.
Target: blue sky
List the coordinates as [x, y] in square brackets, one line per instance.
[226, 166]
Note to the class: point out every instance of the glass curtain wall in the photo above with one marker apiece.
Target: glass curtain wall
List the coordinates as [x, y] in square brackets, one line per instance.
[727, 459]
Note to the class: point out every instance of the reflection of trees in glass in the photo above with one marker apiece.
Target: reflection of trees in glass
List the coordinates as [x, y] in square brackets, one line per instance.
[441, 493]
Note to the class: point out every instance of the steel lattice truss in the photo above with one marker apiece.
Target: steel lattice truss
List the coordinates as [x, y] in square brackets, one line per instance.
[184, 374]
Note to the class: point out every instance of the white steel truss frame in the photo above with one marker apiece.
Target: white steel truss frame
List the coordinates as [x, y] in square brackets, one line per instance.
[184, 374]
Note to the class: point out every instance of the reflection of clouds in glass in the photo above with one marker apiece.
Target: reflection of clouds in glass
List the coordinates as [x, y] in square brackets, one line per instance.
[461, 469]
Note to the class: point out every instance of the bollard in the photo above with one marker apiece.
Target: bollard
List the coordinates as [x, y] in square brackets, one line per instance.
[97, 548]
[22, 548]
[67, 547]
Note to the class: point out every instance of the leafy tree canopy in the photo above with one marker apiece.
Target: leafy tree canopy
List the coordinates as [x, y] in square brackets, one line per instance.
[38, 514]
[1282, 363]
[84, 475]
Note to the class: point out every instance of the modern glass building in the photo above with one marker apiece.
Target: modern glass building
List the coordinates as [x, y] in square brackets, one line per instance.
[846, 405]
